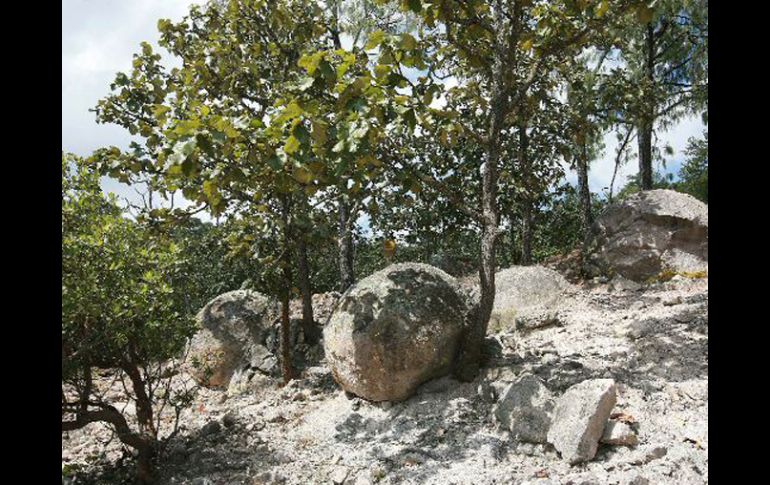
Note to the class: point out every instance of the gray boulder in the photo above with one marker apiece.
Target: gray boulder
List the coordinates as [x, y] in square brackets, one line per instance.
[395, 330]
[580, 417]
[650, 232]
[524, 409]
[234, 334]
[524, 293]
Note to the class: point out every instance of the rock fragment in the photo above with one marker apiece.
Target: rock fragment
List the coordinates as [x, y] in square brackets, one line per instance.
[579, 419]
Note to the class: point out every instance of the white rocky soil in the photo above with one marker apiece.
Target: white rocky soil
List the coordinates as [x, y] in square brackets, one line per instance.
[653, 341]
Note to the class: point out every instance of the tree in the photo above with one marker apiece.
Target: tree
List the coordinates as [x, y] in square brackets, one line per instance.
[206, 132]
[119, 312]
[666, 70]
[694, 174]
[497, 52]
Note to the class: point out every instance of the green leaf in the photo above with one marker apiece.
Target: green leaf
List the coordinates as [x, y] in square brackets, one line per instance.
[210, 189]
[414, 5]
[375, 39]
[339, 147]
[602, 8]
[408, 42]
[292, 145]
[187, 127]
[644, 14]
[305, 84]
[360, 132]
[310, 62]
[274, 162]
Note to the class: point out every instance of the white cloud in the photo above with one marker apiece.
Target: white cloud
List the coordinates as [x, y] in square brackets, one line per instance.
[99, 38]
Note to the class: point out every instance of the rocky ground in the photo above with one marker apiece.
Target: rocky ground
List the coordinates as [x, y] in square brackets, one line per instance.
[653, 341]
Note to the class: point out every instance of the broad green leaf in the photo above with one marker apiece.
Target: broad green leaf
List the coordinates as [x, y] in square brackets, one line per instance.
[375, 39]
[408, 42]
[602, 8]
[310, 62]
[291, 146]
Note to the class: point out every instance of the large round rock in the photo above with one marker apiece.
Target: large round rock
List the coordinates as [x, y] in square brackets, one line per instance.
[394, 330]
[650, 232]
[235, 329]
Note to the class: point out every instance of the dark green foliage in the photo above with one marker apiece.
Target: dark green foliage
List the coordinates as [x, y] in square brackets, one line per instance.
[694, 174]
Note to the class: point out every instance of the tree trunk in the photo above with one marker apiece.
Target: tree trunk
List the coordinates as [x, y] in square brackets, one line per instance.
[145, 467]
[345, 244]
[303, 274]
[144, 416]
[584, 193]
[469, 359]
[515, 249]
[286, 351]
[526, 234]
[527, 206]
[647, 117]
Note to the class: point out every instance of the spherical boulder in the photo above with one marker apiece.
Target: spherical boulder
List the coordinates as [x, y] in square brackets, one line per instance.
[394, 330]
[235, 329]
[648, 233]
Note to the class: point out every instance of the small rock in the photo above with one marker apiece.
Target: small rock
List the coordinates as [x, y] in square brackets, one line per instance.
[647, 455]
[229, 420]
[619, 434]
[639, 480]
[363, 480]
[486, 392]
[640, 328]
[524, 409]
[282, 458]
[339, 475]
[299, 397]
[536, 321]
[255, 426]
[672, 300]
[637, 305]
[386, 405]
[579, 419]
[210, 428]
[620, 283]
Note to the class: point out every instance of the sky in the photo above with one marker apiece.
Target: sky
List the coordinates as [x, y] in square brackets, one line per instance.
[99, 38]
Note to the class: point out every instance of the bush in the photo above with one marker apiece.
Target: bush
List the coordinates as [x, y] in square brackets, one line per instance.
[120, 312]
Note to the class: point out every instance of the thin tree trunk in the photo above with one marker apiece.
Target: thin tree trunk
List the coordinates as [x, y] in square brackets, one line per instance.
[584, 193]
[527, 209]
[526, 233]
[345, 243]
[286, 353]
[469, 359]
[303, 275]
[345, 255]
[647, 117]
[515, 249]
